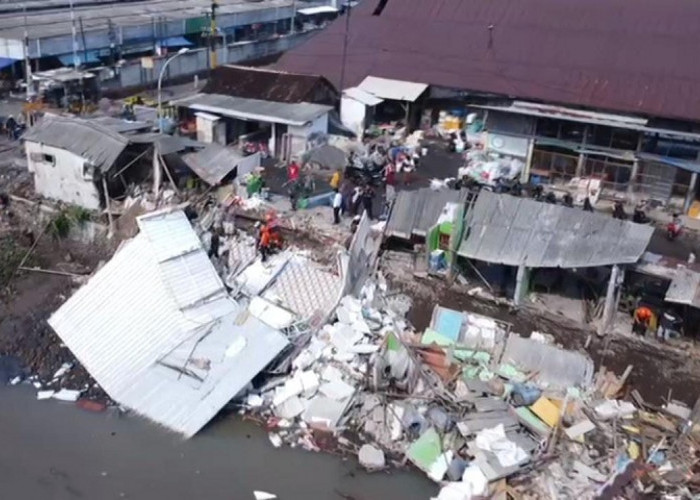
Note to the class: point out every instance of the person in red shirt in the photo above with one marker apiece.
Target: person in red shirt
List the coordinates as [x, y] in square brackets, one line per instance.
[293, 172]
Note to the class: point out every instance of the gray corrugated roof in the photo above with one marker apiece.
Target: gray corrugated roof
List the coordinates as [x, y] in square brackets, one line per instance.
[98, 144]
[212, 163]
[254, 109]
[158, 331]
[684, 288]
[414, 212]
[503, 229]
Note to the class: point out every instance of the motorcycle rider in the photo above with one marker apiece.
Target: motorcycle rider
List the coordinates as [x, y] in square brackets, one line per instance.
[640, 215]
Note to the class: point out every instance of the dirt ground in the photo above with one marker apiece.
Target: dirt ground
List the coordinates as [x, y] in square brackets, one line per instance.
[657, 369]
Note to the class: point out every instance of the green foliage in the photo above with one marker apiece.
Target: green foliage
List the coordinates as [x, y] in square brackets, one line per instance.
[68, 218]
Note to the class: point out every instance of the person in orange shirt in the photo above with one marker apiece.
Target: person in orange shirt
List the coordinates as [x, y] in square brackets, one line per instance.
[265, 239]
[642, 319]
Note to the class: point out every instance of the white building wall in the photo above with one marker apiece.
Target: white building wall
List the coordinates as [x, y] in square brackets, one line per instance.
[352, 115]
[299, 135]
[63, 178]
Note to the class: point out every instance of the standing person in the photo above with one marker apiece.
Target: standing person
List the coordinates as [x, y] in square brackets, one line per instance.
[390, 181]
[293, 172]
[335, 179]
[367, 199]
[215, 243]
[642, 320]
[356, 200]
[587, 207]
[346, 191]
[264, 245]
[337, 204]
[667, 325]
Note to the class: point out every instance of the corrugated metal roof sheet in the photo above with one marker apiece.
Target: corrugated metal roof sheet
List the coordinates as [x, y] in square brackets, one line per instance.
[361, 96]
[415, 212]
[254, 109]
[554, 366]
[392, 89]
[604, 54]
[214, 162]
[270, 85]
[304, 288]
[684, 288]
[157, 330]
[98, 144]
[503, 229]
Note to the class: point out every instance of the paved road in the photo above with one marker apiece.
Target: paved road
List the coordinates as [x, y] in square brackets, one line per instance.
[52, 450]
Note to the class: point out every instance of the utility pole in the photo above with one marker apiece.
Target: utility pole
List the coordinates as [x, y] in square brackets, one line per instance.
[74, 32]
[213, 36]
[345, 45]
[27, 61]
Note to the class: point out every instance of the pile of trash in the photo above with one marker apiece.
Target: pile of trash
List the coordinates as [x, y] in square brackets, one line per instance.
[479, 409]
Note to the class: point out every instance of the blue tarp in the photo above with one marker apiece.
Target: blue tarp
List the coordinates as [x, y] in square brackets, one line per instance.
[5, 62]
[93, 56]
[176, 41]
[691, 166]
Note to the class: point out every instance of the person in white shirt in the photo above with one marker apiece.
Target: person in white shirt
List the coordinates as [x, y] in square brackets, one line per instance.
[337, 204]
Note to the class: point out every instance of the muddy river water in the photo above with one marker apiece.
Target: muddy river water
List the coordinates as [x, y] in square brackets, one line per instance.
[53, 450]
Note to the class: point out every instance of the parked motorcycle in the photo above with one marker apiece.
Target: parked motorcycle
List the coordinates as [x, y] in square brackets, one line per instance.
[640, 215]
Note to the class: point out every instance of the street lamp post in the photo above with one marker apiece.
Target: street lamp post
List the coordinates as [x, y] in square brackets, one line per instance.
[160, 81]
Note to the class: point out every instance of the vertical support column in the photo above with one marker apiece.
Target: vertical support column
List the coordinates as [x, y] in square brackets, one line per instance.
[525, 174]
[690, 195]
[522, 284]
[610, 302]
[635, 165]
[273, 141]
[157, 172]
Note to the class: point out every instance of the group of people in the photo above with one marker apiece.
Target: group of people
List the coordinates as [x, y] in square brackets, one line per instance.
[665, 325]
[349, 200]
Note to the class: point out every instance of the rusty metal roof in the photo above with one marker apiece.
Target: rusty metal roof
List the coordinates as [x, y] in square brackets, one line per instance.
[636, 57]
[504, 229]
[269, 85]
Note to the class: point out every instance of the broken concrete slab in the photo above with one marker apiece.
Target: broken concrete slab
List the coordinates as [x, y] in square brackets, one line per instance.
[579, 429]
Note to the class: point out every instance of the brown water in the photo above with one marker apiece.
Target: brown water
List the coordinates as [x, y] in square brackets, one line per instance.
[53, 450]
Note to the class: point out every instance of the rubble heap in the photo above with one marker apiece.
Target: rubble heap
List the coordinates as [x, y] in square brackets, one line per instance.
[479, 409]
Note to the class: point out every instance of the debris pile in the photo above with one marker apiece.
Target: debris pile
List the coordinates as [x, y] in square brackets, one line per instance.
[476, 407]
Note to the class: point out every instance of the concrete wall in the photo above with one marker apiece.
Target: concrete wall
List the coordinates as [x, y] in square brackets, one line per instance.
[298, 136]
[63, 179]
[352, 114]
[132, 74]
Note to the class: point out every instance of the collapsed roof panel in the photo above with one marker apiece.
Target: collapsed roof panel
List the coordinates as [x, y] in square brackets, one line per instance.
[131, 323]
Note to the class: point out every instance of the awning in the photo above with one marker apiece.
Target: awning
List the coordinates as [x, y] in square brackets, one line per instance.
[504, 229]
[176, 41]
[691, 166]
[296, 114]
[213, 163]
[6, 62]
[684, 288]
[93, 56]
[323, 9]
[395, 90]
[360, 95]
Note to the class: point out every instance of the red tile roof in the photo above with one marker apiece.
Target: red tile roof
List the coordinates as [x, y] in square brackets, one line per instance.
[636, 56]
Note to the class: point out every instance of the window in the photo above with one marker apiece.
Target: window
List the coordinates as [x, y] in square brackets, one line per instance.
[88, 172]
[42, 158]
[48, 159]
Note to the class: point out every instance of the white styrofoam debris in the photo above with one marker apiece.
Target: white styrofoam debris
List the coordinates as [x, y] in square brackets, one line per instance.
[371, 458]
[310, 382]
[495, 441]
[44, 395]
[680, 411]
[438, 469]
[579, 428]
[337, 389]
[275, 439]
[254, 401]
[62, 370]
[66, 395]
[37, 385]
[263, 495]
[290, 408]
[613, 408]
[16, 380]
[364, 348]
[331, 373]
[292, 387]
